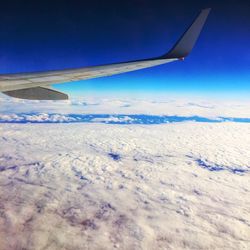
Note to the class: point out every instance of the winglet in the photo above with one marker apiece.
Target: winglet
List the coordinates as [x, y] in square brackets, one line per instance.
[187, 41]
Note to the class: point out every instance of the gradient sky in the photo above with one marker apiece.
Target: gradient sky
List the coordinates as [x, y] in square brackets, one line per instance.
[45, 35]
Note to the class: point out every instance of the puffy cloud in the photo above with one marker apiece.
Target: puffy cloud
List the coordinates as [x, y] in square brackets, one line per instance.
[114, 119]
[36, 118]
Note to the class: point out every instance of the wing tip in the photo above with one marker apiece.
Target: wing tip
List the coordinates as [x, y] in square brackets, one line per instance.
[207, 9]
[187, 41]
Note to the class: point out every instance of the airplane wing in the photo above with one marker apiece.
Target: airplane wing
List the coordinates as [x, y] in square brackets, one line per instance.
[36, 85]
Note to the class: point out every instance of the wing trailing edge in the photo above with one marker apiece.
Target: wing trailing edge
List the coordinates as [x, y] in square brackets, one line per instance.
[37, 93]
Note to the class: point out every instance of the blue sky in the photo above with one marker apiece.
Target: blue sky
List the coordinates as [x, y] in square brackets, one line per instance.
[44, 35]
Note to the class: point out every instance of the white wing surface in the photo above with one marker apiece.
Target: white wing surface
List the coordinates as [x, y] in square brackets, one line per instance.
[36, 85]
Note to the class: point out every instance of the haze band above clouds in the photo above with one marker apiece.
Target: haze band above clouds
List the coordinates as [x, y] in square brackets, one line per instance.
[123, 111]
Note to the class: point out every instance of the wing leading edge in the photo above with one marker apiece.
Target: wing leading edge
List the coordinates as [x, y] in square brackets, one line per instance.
[35, 85]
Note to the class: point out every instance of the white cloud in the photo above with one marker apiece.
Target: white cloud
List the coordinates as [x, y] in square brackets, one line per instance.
[41, 118]
[180, 107]
[124, 119]
[62, 187]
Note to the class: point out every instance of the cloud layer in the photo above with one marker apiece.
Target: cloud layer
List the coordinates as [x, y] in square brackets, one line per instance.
[165, 107]
[110, 119]
[101, 186]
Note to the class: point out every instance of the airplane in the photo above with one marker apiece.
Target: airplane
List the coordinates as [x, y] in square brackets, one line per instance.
[36, 85]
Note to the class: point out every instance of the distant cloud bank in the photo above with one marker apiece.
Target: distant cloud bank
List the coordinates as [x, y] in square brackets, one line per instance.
[125, 111]
[110, 118]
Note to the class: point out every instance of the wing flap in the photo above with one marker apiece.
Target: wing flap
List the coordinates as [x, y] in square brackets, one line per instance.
[37, 93]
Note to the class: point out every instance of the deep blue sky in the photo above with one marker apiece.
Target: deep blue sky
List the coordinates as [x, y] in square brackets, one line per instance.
[42, 35]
